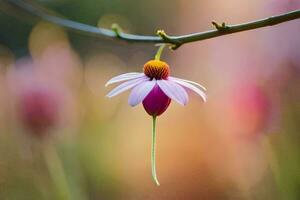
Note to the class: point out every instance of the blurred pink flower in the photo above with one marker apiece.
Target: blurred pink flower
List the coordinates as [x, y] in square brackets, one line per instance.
[40, 102]
[39, 109]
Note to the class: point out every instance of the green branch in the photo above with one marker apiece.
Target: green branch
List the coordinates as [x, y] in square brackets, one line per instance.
[175, 41]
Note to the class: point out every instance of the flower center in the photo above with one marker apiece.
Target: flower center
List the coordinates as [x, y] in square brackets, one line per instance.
[156, 69]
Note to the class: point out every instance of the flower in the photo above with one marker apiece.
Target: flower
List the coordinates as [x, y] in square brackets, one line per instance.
[39, 110]
[155, 88]
[42, 102]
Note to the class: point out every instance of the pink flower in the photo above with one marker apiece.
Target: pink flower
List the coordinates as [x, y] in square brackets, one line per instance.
[155, 88]
[39, 110]
[41, 102]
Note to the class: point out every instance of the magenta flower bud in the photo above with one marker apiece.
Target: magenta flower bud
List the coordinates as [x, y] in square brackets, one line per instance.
[39, 110]
[156, 102]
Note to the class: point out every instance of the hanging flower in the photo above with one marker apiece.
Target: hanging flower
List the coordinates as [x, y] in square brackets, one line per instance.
[155, 89]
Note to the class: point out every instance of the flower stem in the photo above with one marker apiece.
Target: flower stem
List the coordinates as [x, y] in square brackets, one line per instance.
[153, 165]
[159, 51]
[57, 173]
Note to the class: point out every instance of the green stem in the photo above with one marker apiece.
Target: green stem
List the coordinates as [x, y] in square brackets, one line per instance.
[57, 173]
[159, 51]
[153, 162]
[177, 41]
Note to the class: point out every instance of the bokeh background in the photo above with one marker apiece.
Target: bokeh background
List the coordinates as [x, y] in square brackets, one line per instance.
[61, 138]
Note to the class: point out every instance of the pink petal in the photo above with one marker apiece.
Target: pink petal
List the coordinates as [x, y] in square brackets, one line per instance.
[126, 86]
[139, 92]
[174, 91]
[191, 87]
[192, 82]
[124, 77]
[156, 102]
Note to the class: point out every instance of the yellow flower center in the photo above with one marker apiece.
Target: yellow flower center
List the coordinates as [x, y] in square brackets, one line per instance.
[157, 69]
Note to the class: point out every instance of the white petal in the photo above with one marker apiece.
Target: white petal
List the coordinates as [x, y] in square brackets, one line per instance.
[126, 86]
[191, 87]
[174, 91]
[124, 77]
[192, 82]
[140, 91]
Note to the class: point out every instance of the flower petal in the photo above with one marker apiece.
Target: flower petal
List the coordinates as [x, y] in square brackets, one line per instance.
[174, 91]
[126, 86]
[191, 87]
[188, 81]
[124, 77]
[139, 92]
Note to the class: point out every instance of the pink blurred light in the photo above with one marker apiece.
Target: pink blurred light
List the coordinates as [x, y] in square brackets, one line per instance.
[249, 110]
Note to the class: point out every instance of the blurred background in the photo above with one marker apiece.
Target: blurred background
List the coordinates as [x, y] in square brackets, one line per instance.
[61, 138]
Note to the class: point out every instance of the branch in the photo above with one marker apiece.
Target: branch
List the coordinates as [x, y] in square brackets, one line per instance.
[175, 41]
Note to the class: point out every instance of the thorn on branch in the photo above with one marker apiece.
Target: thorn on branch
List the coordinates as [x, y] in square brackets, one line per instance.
[175, 44]
[163, 35]
[220, 27]
[117, 29]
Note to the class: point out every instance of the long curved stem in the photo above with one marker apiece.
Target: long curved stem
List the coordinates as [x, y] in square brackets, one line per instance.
[162, 37]
[153, 151]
